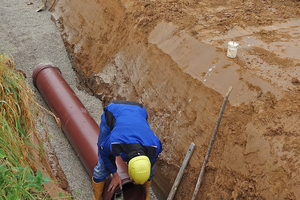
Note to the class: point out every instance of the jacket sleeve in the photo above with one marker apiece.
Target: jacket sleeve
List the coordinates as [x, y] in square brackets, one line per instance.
[105, 153]
[158, 151]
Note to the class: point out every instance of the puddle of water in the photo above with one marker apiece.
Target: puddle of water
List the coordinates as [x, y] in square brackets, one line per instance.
[204, 63]
[183, 49]
[274, 73]
[284, 43]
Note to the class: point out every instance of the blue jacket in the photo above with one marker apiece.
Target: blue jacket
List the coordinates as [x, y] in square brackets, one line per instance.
[130, 134]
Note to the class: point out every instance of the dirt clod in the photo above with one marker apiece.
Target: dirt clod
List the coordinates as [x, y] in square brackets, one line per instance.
[295, 81]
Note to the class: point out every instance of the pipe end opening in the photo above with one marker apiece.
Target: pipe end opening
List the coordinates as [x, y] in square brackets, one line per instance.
[40, 67]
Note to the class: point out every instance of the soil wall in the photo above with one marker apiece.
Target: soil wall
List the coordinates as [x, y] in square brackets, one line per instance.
[171, 57]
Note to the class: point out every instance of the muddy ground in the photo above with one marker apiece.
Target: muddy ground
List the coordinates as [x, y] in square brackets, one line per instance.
[171, 56]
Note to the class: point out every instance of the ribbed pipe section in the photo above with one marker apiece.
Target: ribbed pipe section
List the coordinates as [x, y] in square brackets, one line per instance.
[79, 127]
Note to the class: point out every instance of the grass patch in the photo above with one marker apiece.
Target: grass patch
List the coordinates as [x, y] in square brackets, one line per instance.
[18, 113]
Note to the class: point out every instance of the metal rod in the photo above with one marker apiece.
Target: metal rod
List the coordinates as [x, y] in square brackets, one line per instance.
[180, 173]
[210, 145]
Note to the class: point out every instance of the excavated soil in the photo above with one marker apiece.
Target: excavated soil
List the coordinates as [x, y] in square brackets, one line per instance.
[171, 56]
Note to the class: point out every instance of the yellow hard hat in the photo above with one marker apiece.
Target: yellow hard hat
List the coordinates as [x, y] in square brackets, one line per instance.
[139, 169]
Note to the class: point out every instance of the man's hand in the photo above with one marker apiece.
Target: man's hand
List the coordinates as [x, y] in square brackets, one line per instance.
[116, 180]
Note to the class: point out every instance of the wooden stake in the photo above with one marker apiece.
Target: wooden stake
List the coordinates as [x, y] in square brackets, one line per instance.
[210, 145]
[180, 173]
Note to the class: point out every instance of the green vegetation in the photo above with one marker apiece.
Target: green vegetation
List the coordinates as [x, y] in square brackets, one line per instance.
[18, 111]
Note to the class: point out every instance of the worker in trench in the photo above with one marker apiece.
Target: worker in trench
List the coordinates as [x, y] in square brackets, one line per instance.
[125, 132]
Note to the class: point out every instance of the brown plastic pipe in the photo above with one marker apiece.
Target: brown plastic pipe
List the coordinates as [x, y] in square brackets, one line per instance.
[79, 127]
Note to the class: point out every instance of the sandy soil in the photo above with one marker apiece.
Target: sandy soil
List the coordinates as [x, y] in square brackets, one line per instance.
[171, 56]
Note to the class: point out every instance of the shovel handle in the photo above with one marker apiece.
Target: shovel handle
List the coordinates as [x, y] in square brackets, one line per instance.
[211, 144]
